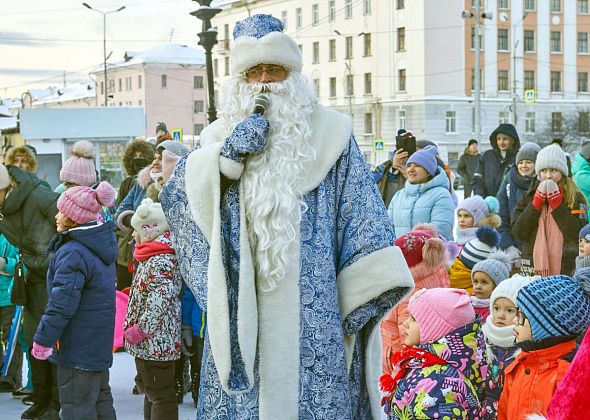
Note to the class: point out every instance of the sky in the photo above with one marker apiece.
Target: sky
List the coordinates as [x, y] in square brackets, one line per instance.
[43, 42]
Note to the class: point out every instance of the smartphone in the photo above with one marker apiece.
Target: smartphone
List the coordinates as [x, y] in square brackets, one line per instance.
[407, 143]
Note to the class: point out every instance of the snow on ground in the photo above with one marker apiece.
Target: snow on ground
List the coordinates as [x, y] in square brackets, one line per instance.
[127, 405]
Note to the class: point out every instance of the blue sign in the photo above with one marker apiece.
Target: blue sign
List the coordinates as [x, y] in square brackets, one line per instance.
[176, 134]
[378, 145]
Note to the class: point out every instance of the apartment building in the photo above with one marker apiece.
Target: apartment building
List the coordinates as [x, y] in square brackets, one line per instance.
[394, 64]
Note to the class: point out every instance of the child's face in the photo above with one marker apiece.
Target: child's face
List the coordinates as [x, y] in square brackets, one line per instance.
[62, 222]
[503, 312]
[584, 247]
[464, 220]
[411, 331]
[483, 285]
[522, 332]
[550, 173]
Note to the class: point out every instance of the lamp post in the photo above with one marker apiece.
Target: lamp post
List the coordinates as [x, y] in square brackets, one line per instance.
[208, 39]
[514, 57]
[104, 43]
[349, 68]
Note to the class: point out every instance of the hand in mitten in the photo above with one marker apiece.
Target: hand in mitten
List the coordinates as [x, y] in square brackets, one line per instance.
[554, 196]
[40, 352]
[134, 335]
[248, 137]
[187, 340]
[514, 254]
[540, 195]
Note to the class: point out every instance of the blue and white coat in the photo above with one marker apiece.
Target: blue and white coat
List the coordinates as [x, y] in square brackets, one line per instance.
[311, 347]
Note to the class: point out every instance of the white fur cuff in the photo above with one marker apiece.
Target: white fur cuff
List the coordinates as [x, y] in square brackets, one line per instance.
[120, 220]
[274, 48]
[229, 168]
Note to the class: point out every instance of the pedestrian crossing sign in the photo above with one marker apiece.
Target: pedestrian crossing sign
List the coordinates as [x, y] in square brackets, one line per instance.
[529, 96]
[378, 145]
[176, 134]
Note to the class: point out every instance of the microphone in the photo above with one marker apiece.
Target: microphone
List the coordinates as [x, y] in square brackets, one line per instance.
[261, 104]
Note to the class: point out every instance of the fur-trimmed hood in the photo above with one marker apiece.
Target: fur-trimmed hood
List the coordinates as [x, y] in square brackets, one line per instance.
[138, 145]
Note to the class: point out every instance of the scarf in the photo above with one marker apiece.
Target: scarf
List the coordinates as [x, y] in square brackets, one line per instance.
[582, 262]
[498, 336]
[548, 245]
[465, 235]
[147, 250]
[480, 303]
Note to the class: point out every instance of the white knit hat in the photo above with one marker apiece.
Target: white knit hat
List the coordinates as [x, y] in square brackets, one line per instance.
[552, 157]
[509, 288]
[149, 220]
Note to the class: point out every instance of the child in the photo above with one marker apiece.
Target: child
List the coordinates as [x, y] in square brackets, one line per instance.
[485, 276]
[474, 212]
[152, 327]
[548, 218]
[426, 256]
[583, 258]
[443, 362]
[552, 312]
[80, 313]
[485, 241]
[499, 335]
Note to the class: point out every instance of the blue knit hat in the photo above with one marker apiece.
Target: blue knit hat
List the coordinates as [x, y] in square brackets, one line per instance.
[479, 248]
[585, 232]
[426, 158]
[496, 266]
[556, 306]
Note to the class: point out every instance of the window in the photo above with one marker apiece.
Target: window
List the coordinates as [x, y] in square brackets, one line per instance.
[368, 84]
[503, 80]
[139, 81]
[529, 123]
[102, 88]
[503, 4]
[164, 81]
[366, 7]
[198, 82]
[111, 86]
[401, 39]
[199, 106]
[349, 85]
[502, 39]
[332, 48]
[316, 87]
[315, 14]
[400, 4]
[529, 80]
[582, 42]
[121, 85]
[367, 45]
[348, 9]
[298, 18]
[529, 5]
[226, 66]
[529, 41]
[583, 6]
[401, 80]
[583, 81]
[555, 6]
[503, 117]
[482, 4]
[215, 67]
[556, 122]
[332, 87]
[128, 83]
[332, 10]
[473, 80]
[316, 52]
[555, 81]
[139, 103]
[473, 39]
[451, 122]
[284, 19]
[401, 118]
[368, 123]
[198, 128]
[348, 53]
[555, 41]
[584, 122]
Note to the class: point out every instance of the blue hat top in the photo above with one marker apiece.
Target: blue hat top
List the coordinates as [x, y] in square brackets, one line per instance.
[258, 26]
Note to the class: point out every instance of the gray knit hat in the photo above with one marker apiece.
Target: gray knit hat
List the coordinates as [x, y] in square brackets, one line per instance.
[554, 157]
[175, 147]
[528, 151]
[496, 266]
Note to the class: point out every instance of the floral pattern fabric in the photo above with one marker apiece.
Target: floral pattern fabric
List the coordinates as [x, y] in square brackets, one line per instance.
[499, 358]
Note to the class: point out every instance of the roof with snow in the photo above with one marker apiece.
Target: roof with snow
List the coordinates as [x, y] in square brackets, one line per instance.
[72, 92]
[7, 122]
[164, 54]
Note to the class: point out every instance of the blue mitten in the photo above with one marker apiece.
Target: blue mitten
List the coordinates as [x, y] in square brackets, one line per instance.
[248, 137]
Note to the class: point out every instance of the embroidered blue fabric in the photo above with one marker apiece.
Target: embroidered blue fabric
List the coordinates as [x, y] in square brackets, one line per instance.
[258, 26]
[249, 136]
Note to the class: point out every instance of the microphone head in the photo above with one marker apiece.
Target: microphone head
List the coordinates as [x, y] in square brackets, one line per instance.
[261, 103]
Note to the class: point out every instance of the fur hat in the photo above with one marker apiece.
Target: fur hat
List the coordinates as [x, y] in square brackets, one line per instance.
[496, 266]
[79, 168]
[509, 288]
[4, 177]
[146, 149]
[476, 250]
[149, 220]
[421, 246]
[260, 39]
[440, 311]
[528, 151]
[481, 209]
[426, 158]
[553, 157]
[82, 204]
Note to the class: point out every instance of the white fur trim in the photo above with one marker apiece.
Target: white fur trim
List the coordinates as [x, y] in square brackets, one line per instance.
[373, 370]
[536, 417]
[120, 220]
[274, 48]
[230, 168]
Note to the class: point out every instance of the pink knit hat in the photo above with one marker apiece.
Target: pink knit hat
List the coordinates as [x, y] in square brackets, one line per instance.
[82, 204]
[79, 168]
[440, 311]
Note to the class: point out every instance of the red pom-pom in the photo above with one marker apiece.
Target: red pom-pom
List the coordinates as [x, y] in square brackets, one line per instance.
[386, 383]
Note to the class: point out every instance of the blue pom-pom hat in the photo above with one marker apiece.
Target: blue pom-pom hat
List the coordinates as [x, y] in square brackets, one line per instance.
[479, 248]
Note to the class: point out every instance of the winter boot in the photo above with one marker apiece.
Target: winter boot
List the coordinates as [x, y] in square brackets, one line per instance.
[34, 412]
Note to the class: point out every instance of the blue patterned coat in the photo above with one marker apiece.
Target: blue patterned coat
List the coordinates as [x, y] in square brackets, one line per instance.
[309, 348]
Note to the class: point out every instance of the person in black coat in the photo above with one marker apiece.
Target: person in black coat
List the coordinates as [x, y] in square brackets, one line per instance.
[493, 164]
[467, 166]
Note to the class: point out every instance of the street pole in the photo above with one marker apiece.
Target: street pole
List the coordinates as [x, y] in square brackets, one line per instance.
[477, 80]
[350, 81]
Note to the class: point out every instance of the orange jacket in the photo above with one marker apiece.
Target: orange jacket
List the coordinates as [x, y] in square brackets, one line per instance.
[531, 381]
[460, 276]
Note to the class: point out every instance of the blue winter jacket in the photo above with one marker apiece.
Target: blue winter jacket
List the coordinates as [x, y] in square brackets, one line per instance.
[429, 202]
[192, 314]
[513, 188]
[10, 254]
[80, 313]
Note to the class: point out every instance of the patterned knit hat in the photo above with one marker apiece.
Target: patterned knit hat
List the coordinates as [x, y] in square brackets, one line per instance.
[79, 168]
[440, 311]
[476, 250]
[82, 204]
[584, 232]
[423, 245]
[426, 158]
[260, 39]
[496, 266]
[556, 306]
[528, 151]
[149, 220]
[479, 208]
[553, 157]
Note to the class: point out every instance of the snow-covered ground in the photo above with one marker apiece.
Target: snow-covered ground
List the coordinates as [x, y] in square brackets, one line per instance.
[127, 405]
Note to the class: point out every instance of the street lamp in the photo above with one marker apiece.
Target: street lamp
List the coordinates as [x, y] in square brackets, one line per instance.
[349, 68]
[104, 43]
[208, 39]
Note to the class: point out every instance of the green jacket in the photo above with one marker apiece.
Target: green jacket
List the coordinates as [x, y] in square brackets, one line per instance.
[581, 175]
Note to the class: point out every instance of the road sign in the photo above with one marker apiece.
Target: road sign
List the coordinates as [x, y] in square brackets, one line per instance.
[378, 145]
[176, 134]
[529, 96]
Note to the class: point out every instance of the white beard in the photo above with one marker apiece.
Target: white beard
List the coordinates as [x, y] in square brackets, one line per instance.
[273, 180]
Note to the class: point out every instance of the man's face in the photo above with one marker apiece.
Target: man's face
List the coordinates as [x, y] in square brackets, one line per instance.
[473, 148]
[266, 73]
[504, 142]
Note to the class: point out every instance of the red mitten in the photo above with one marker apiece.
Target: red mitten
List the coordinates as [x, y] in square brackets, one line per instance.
[554, 196]
[539, 200]
[40, 352]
